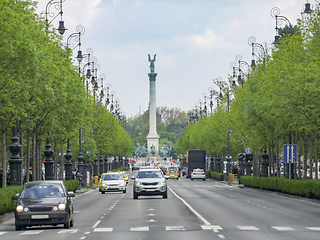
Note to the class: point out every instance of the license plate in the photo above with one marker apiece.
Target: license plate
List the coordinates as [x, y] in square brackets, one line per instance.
[39, 216]
[150, 190]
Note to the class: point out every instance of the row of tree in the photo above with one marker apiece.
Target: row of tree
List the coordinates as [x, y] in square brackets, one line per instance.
[43, 94]
[277, 104]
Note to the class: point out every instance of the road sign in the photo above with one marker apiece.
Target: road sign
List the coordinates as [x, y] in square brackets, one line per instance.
[247, 150]
[289, 153]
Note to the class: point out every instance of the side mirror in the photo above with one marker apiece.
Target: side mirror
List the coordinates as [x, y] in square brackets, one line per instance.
[15, 197]
[71, 194]
[166, 176]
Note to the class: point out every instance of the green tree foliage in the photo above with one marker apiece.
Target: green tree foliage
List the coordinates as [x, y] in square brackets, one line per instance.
[279, 97]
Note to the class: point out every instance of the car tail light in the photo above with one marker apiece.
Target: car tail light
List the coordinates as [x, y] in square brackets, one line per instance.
[203, 173]
[194, 173]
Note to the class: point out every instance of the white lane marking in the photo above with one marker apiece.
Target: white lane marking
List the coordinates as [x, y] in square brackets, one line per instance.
[314, 228]
[175, 228]
[152, 220]
[248, 228]
[191, 209]
[139, 229]
[103, 230]
[283, 228]
[221, 236]
[68, 231]
[96, 224]
[31, 232]
[1, 233]
[83, 237]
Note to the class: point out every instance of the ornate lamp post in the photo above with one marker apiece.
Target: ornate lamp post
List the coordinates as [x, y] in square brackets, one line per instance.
[265, 163]
[279, 20]
[48, 164]
[15, 160]
[58, 6]
[237, 65]
[68, 163]
[256, 46]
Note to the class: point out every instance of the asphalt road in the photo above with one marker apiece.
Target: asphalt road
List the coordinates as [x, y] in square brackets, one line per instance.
[194, 210]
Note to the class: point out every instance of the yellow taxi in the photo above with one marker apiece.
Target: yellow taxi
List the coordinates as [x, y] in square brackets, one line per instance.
[101, 181]
[173, 172]
[125, 176]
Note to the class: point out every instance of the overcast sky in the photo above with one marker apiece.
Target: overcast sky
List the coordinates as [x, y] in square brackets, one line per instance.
[195, 42]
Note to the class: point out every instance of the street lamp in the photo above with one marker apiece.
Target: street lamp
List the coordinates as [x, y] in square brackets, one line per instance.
[58, 6]
[279, 20]
[256, 46]
[238, 65]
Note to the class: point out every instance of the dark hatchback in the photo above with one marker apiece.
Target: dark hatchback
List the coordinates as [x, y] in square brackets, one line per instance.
[44, 203]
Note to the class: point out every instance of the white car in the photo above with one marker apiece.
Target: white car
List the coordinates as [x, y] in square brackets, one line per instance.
[198, 173]
[113, 182]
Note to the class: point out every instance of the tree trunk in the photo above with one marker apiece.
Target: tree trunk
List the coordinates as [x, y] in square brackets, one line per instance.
[4, 154]
[34, 150]
[55, 159]
[21, 155]
[27, 161]
[277, 160]
[61, 163]
[270, 164]
[305, 156]
[311, 159]
[298, 155]
[316, 160]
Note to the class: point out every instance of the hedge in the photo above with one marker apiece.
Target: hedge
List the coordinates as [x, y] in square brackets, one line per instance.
[303, 188]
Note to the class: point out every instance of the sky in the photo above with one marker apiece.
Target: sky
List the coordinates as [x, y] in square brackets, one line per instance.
[195, 42]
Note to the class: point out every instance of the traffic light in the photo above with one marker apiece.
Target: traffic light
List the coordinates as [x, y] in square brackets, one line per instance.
[249, 158]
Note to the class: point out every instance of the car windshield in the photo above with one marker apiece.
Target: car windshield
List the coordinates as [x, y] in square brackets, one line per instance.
[42, 190]
[112, 177]
[149, 174]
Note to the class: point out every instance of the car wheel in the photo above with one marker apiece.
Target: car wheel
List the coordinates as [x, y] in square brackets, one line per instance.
[177, 178]
[67, 224]
[204, 179]
[165, 195]
[135, 195]
[192, 179]
[103, 192]
[72, 222]
[125, 190]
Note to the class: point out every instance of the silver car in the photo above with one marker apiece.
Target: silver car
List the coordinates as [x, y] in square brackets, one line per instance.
[149, 182]
[198, 173]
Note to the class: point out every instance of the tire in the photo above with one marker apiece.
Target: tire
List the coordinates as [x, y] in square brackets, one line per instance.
[165, 194]
[204, 179]
[72, 222]
[192, 179]
[125, 190]
[67, 224]
[135, 195]
[18, 227]
[103, 192]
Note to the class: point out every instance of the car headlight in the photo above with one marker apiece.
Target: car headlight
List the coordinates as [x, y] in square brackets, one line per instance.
[103, 184]
[61, 206]
[162, 182]
[19, 208]
[55, 208]
[122, 184]
[138, 183]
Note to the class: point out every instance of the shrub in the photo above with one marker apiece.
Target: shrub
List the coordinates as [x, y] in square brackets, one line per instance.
[6, 204]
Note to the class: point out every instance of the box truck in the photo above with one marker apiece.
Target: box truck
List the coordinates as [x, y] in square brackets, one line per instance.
[195, 159]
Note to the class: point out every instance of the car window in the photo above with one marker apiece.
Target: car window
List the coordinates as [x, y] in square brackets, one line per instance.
[112, 177]
[42, 190]
[149, 174]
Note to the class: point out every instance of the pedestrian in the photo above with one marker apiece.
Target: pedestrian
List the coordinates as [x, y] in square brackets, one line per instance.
[79, 178]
